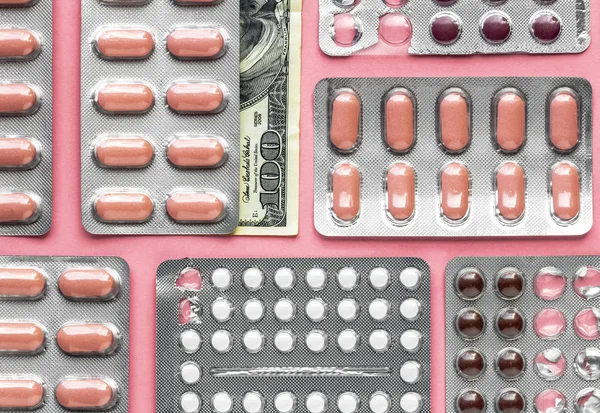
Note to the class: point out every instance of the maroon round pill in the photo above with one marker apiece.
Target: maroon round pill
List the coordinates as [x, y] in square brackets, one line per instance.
[445, 28]
[510, 283]
[510, 323]
[545, 26]
[470, 284]
[470, 401]
[470, 363]
[510, 401]
[495, 27]
[510, 363]
[470, 323]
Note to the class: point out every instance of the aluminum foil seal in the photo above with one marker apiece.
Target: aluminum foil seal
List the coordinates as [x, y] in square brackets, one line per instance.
[169, 355]
[52, 311]
[160, 123]
[427, 158]
[37, 126]
[573, 14]
[570, 344]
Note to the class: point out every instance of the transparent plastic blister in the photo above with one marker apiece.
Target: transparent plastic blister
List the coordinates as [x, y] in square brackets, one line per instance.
[64, 334]
[293, 334]
[464, 157]
[26, 117]
[440, 27]
[522, 334]
[159, 117]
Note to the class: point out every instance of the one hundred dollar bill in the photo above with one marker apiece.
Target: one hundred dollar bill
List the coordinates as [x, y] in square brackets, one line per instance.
[270, 42]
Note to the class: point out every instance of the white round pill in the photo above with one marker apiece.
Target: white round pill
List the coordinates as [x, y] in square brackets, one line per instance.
[222, 402]
[410, 372]
[348, 341]
[221, 309]
[380, 340]
[285, 310]
[348, 402]
[411, 402]
[190, 402]
[253, 402]
[253, 309]
[380, 402]
[190, 372]
[253, 279]
[285, 402]
[285, 341]
[347, 278]
[253, 341]
[410, 309]
[316, 310]
[190, 341]
[411, 340]
[379, 278]
[285, 279]
[379, 309]
[316, 402]
[316, 341]
[411, 278]
[221, 279]
[348, 309]
[221, 341]
[316, 278]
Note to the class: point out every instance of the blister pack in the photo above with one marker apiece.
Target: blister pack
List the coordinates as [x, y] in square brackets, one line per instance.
[522, 334]
[293, 334]
[64, 334]
[453, 157]
[440, 27]
[160, 116]
[25, 117]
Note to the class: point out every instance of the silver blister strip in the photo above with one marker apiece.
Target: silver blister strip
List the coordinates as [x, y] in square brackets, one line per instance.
[160, 124]
[238, 370]
[481, 157]
[36, 72]
[574, 16]
[490, 343]
[52, 311]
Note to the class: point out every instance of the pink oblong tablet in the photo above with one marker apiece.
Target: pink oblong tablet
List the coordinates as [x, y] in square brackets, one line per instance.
[196, 152]
[18, 99]
[510, 122]
[345, 188]
[21, 393]
[18, 207]
[345, 121]
[124, 152]
[563, 119]
[21, 337]
[196, 97]
[123, 207]
[124, 43]
[18, 43]
[23, 3]
[18, 152]
[455, 191]
[454, 120]
[86, 394]
[124, 98]
[401, 191]
[189, 206]
[88, 339]
[400, 121]
[24, 283]
[565, 191]
[587, 323]
[196, 43]
[89, 284]
[510, 191]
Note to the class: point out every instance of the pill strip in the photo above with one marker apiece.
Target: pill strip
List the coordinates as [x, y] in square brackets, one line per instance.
[389, 155]
[26, 117]
[554, 297]
[453, 27]
[160, 117]
[64, 334]
[263, 334]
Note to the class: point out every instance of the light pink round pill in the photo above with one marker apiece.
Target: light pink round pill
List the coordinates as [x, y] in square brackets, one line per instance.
[549, 283]
[395, 28]
[587, 323]
[550, 401]
[395, 3]
[587, 282]
[189, 279]
[550, 364]
[345, 29]
[549, 323]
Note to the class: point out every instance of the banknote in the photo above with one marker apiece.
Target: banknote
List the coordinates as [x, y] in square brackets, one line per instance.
[270, 41]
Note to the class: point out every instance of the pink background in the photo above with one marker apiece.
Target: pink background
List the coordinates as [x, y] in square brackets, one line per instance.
[145, 253]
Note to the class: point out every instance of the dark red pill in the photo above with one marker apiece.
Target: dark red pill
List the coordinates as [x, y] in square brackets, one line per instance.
[510, 283]
[510, 323]
[445, 2]
[470, 323]
[470, 363]
[470, 401]
[445, 28]
[510, 401]
[470, 284]
[495, 27]
[545, 26]
[510, 363]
